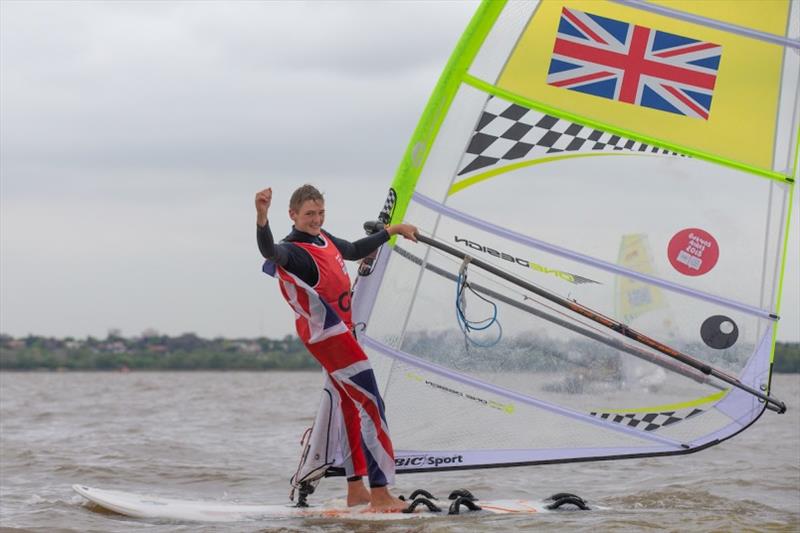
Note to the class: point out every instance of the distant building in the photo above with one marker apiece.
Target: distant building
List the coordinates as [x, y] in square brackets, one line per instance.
[247, 346]
[115, 347]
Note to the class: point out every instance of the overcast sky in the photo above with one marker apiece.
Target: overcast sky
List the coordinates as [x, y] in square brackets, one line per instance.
[134, 135]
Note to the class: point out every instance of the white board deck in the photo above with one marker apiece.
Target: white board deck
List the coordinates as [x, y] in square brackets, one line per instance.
[154, 507]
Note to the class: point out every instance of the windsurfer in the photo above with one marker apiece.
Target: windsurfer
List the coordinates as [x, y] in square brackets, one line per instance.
[309, 261]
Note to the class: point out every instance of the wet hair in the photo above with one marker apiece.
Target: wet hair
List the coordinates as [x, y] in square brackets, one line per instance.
[303, 194]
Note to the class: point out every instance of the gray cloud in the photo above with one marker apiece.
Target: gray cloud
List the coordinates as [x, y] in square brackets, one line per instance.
[134, 135]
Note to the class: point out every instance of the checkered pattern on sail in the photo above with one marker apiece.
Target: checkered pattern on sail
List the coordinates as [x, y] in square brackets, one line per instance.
[511, 132]
[388, 207]
[648, 421]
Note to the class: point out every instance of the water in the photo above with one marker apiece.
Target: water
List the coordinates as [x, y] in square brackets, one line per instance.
[234, 436]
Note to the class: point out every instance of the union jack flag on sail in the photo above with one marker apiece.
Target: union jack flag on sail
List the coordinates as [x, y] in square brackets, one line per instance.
[634, 64]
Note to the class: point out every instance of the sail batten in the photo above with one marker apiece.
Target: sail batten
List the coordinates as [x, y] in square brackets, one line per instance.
[573, 324]
[436, 369]
[720, 25]
[581, 258]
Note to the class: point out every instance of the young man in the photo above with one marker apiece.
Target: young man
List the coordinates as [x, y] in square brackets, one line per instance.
[314, 281]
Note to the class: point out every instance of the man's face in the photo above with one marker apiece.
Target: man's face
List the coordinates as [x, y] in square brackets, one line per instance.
[310, 217]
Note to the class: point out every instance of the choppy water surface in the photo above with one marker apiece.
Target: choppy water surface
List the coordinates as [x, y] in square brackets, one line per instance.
[234, 436]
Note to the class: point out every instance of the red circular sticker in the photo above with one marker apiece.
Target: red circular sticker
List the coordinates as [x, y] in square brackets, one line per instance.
[693, 251]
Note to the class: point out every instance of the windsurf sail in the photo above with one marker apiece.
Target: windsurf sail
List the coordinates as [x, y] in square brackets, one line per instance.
[557, 129]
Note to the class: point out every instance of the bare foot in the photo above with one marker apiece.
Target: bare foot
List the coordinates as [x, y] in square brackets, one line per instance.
[357, 493]
[381, 501]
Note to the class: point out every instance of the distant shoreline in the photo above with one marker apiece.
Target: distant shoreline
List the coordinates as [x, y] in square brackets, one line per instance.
[197, 371]
[150, 370]
[152, 352]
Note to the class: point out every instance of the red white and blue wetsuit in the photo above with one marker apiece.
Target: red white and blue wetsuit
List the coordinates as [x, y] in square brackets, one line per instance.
[311, 268]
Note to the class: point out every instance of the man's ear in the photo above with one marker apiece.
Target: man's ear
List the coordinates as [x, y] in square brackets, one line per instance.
[293, 215]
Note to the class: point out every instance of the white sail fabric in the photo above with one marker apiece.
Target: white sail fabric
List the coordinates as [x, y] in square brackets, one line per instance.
[546, 144]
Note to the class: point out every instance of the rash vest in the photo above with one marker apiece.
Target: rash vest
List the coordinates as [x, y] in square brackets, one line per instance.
[333, 282]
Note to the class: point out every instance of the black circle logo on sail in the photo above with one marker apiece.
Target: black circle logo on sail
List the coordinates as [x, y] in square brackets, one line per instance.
[719, 332]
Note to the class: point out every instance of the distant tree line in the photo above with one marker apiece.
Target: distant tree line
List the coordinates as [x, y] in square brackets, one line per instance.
[154, 351]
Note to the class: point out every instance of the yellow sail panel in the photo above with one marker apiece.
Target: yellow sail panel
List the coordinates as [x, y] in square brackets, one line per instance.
[765, 16]
[635, 298]
[739, 121]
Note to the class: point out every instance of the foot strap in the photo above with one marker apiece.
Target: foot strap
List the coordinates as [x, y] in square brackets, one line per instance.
[422, 500]
[564, 498]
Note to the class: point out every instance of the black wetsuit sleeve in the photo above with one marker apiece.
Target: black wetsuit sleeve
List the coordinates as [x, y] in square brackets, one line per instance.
[353, 251]
[266, 245]
[292, 258]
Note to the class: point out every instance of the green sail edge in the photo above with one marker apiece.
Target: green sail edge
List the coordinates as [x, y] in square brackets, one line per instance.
[439, 103]
[784, 254]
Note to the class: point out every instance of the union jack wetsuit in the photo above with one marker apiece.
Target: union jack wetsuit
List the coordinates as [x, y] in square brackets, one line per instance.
[320, 298]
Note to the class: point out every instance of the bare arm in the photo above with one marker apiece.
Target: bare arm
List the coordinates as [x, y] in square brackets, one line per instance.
[408, 231]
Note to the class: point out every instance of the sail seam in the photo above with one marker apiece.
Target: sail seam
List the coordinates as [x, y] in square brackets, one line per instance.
[467, 380]
[711, 23]
[585, 259]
